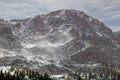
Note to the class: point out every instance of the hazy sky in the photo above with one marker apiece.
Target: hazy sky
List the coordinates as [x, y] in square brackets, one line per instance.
[107, 11]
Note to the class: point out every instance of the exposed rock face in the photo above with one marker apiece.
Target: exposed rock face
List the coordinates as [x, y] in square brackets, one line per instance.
[8, 41]
[117, 36]
[63, 38]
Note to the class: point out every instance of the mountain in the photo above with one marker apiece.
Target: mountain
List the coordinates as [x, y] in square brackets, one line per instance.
[117, 36]
[57, 42]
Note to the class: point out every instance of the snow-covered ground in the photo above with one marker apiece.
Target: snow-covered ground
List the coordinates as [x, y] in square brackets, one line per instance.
[59, 77]
[4, 68]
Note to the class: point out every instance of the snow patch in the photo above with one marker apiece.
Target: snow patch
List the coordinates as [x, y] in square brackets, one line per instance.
[87, 45]
[98, 33]
[92, 65]
[57, 76]
[4, 68]
[5, 52]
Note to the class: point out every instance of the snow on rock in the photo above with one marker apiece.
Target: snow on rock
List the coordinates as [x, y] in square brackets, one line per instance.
[46, 43]
[98, 33]
[66, 33]
[57, 76]
[89, 65]
[5, 52]
[87, 45]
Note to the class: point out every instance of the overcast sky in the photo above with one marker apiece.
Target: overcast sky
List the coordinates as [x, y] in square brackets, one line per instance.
[107, 11]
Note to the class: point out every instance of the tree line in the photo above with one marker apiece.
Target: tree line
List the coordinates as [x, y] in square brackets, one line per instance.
[20, 74]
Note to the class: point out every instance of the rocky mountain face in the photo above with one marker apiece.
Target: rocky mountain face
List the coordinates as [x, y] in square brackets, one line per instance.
[8, 41]
[60, 41]
[117, 36]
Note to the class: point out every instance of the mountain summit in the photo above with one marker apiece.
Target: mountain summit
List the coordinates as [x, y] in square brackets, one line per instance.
[62, 40]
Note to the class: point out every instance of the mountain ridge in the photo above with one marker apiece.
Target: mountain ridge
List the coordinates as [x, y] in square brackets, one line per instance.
[62, 39]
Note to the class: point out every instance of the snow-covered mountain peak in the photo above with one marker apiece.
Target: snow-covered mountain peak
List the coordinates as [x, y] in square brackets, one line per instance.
[66, 36]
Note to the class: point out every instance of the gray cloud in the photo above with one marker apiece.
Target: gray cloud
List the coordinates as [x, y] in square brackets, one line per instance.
[105, 10]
